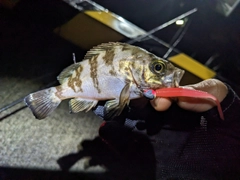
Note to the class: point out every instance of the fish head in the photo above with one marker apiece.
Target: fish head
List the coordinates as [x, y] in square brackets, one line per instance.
[161, 73]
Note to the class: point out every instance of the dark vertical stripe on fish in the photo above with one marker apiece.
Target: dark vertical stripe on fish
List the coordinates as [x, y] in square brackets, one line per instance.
[71, 83]
[125, 47]
[121, 64]
[93, 72]
[78, 82]
[112, 72]
[108, 57]
[144, 78]
[75, 81]
[134, 50]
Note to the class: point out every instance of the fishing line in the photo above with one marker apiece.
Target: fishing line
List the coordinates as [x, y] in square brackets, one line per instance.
[177, 40]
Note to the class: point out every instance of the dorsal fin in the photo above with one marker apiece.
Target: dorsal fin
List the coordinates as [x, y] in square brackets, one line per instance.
[100, 48]
[67, 72]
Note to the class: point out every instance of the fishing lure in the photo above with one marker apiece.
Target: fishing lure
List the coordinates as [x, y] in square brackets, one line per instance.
[183, 92]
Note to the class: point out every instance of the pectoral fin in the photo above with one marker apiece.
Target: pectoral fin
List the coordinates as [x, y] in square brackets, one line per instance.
[114, 107]
[78, 104]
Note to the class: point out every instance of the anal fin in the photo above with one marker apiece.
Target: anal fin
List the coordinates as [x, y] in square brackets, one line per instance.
[78, 104]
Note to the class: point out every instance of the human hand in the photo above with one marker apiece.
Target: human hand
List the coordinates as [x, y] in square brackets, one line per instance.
[147, 113]
[212, 86]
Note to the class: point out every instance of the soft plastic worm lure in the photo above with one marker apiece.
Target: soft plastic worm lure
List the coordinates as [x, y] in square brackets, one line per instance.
[182, 92]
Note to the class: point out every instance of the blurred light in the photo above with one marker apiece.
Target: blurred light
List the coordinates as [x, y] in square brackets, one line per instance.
[226, 7]
[180, 22]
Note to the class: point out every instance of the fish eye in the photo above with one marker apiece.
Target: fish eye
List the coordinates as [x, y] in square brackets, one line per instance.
[158, 67]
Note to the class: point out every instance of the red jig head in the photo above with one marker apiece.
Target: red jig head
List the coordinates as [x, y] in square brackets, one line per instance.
[182, 92]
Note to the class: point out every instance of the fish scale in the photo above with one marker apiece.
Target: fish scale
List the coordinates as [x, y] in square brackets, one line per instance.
[115, 72]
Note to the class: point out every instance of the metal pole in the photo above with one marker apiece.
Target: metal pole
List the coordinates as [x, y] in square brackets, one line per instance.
[162, 26]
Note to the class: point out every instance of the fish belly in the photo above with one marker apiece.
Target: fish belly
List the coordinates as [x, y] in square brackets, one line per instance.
[108, 88]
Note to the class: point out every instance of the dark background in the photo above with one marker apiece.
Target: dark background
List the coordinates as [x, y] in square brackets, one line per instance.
[28, 44]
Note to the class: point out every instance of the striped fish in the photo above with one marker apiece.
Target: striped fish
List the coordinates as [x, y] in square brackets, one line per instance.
[116, 72]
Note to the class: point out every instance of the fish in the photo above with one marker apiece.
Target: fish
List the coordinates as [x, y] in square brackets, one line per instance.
[114, 72]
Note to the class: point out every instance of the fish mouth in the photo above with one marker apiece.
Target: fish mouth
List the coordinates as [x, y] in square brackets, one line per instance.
[177, 76]
[173, 79]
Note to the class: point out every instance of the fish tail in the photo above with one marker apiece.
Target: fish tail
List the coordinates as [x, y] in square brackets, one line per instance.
[42, 103]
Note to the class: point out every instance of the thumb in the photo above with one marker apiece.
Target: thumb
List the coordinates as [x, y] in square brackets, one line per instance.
[212, 86]
[161, 104]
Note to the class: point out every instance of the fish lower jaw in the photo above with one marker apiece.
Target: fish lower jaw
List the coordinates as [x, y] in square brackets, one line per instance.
[176, 84]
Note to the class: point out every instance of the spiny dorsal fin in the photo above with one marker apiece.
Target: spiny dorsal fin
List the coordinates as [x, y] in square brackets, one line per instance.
[67, 72]
[100, 48]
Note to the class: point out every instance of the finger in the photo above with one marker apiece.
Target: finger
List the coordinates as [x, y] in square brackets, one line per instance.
[212, 86]
[161, 104]
[195, 104]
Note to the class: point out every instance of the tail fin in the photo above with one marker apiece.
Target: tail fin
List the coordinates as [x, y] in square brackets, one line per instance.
[43, 103]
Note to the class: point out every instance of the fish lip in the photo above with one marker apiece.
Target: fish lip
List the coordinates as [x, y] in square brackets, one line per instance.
[178, 74]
